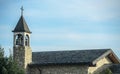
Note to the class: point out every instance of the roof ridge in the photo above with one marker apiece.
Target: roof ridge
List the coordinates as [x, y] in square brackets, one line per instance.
[72, 50]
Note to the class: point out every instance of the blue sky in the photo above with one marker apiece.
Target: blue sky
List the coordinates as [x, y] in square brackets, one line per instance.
[63, 24]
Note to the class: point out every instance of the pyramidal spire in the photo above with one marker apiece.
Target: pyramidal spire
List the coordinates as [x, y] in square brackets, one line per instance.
[21, 25]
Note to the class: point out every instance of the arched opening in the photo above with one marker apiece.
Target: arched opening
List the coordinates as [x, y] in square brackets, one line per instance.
[19, 39]
[26, 40]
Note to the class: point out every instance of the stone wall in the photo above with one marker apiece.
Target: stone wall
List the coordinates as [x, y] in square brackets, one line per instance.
[74, 69]
[99, 66]
[19, 55]
[23, 56]
[28, 56]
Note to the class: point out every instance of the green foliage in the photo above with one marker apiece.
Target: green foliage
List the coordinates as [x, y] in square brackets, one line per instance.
[106, 71]
[8, 66]
[1, 52]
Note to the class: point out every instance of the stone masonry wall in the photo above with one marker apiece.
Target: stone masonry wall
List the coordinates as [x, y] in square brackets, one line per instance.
[19, 56]
[28, 56]
[60, 70]
[99, 66]
[23, 56]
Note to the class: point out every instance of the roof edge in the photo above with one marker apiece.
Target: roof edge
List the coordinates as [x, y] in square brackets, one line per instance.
[107, 53]
[113, 57]
[21, 31]
[61, 64]
[70, 50]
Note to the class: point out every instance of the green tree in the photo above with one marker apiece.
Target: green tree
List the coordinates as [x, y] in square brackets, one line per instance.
[8, 65]
[106, 71]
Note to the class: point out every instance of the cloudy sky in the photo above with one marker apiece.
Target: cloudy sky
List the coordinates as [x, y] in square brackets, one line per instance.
[63, 24]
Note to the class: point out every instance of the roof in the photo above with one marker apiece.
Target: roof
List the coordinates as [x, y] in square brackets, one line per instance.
[115, 68]
[82, 57]
[21, 26]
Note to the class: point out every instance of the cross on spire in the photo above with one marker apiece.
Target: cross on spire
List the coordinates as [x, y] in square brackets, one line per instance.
[22, 10]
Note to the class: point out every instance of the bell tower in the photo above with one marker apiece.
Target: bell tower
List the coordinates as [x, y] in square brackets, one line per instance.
[22, 52]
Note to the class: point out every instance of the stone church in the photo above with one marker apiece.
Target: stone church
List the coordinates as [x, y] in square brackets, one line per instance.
[90, 61]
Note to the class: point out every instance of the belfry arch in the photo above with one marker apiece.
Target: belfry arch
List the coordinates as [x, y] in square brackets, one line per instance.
[19, 39]
[27, 40]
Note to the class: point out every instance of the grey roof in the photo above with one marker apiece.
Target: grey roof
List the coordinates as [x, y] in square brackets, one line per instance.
[86, 57]
[115, 68]
[21, 26]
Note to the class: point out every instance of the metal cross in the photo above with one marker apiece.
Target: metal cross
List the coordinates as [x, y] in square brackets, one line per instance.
[22, 10]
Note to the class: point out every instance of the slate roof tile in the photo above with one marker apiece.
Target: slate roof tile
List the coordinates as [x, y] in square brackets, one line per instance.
[67, 57]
